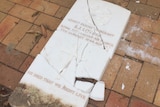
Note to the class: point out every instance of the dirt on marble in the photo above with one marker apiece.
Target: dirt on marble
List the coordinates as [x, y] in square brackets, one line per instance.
[30, 96]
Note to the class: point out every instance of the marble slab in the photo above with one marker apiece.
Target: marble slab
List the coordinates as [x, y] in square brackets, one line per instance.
[80, 48]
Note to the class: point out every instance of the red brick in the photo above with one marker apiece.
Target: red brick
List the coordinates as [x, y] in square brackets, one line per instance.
[41, 43]
[155, 41]
[155, 3]
[157, 98]
[22, 2]
[29, 40]
[5, 6]
[2, 16]
[11, 57]
[132, 24]
[127, 77]
[17, 33]
[156, 27]
[9, 77]
[150, 25]
[144, 53]
[120, 49]
[143, 10]
[7, 25]
[100, 103]
[26, 64]
[117, 100]
[147, 82]
[139, 103]
[61, 13]
[140, 36]
[50, 21]
[23, 13]
[112, 71]
[45, 6]
[122, 3]
[64, 3]
[90, 105]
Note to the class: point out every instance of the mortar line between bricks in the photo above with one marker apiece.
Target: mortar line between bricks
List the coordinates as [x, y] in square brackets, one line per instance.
[154, 98]
[58, 10]
[18, 52]
[137, 78]
[23, 37]
[144, 101]
[24, 61]
[10, 31]
[11, 67]
[117, 73]
[62, 5]
[108, 95]
[35, 18]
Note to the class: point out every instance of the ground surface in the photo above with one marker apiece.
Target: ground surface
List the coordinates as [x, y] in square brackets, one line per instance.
[133, 75]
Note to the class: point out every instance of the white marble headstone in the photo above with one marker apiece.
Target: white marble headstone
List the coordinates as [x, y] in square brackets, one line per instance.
[81, 47]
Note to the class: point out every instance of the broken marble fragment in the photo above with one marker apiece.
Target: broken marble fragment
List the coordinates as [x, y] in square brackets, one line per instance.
[69, 72]
[84, 86]
[97, 92]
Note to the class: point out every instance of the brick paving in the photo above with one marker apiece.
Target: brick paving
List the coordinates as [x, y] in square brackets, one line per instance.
[132, 77]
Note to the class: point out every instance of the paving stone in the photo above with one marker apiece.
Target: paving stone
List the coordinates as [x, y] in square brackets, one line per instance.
[2, 16]
[147, 82]
[45, 6]
[140, 36]
[156, 27]
[155, 41]
[9, 77]
[135, 33]
[90, 105]
[154, 57]
[146, 23]
[26, 64]
[23, 13]
[22, 2]
[17, 33]
[11, 57]
[127, 77]
[155, 3]
[144, 10]
[150, 25]
[61, 13]
[122, 3]
[120, 49]
[100, 103]
[29, 40]
[64, 3]
[139, 1]
[144, 53]
[49, 21]
[112, 71]
[157, 98]
[131, 27]
[7, 25]
[139, 103]
[117, 100]
[41, 43]
[5, 6]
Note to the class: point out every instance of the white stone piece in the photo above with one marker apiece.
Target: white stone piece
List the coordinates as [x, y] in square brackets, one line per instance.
[123, 86]
[81, 46]
[93, 64]
[41, 75]
[98, 91]
[84, 86]
[69, 72]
